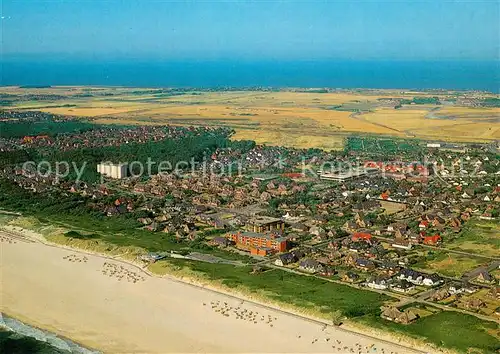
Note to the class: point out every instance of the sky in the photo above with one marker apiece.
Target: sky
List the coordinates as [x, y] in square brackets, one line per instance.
[250, 30]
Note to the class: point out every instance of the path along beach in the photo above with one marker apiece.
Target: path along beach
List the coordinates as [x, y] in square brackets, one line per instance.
[114, 307]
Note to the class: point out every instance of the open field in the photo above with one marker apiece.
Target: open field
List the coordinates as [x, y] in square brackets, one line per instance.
[464, 333]
[469, 112]
[449, 264]
[392, 207]
[297, 119]
[480, 237]
[416, 123]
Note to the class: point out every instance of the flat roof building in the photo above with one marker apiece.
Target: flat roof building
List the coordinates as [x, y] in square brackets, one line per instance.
[341, 176]
[264, 224]
[112, 170]
[255, 241]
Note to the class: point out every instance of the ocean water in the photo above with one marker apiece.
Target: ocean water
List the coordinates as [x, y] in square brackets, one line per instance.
[460, 75]
[17, 337]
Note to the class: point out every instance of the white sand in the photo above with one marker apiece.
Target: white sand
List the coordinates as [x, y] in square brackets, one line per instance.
[157, 315]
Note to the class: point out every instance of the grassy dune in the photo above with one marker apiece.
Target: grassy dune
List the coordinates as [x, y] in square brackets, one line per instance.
[300, 294]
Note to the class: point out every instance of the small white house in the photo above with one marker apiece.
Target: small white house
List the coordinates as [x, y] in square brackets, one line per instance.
[432, 280]
[380, 284]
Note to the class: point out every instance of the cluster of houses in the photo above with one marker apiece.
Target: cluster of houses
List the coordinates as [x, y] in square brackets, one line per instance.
[363, 229]
[265, 236]
[99, 137]
[22, 115]
[393, 314]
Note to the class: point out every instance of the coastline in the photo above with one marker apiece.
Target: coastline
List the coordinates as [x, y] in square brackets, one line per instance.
[19, 330]
[218, 290]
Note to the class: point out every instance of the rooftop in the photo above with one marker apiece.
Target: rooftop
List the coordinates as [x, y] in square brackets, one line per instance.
[263, 220]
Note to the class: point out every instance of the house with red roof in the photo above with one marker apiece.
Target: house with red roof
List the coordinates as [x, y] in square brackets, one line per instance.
[361, 236]
[432, 240]
[423, 224]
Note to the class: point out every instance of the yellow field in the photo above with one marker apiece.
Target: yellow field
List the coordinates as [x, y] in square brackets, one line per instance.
[298, 119]
[85, 112]
[416, 123]
[459, 112]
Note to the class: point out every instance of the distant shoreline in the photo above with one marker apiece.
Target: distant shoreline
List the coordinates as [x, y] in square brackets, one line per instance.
[259, 88]
[42, 336]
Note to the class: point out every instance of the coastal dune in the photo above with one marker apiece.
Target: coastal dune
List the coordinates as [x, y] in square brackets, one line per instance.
[116, 308]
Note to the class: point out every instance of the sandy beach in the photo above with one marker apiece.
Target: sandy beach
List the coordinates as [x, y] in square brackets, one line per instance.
[116, 308]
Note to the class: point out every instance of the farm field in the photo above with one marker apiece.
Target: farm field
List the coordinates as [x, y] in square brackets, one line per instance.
[418, 123]
[295, 118]
[492, 114]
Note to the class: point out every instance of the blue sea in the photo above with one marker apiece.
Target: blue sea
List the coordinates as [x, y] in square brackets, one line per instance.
[459, 75]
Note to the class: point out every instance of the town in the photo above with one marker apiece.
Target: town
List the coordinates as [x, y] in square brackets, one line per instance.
[417, 220]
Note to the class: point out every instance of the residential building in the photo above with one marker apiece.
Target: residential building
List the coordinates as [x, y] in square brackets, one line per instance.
[393, 314]
[379, 283]
[402, 286]
[432, 240]
[264, 224]
[112, 170]
[254, 241]
[432, 280]
[285, 259]
[311, 266]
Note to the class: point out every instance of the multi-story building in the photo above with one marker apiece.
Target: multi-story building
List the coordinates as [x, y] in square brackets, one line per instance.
[112, 170]
[259, 243]
[265, 224]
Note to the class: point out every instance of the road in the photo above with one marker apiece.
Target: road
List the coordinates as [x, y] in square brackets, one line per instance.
[463, 253]
[475, 272]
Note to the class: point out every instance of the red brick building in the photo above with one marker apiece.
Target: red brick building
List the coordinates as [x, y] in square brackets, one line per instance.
[259, 243]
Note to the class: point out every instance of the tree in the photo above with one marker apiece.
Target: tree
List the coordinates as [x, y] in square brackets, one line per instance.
[337, 317]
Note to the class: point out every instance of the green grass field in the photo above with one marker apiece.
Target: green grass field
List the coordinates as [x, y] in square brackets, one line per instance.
[451, 330]
[480, 237]
[309, 293]
[448, 264]
[443, 329]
